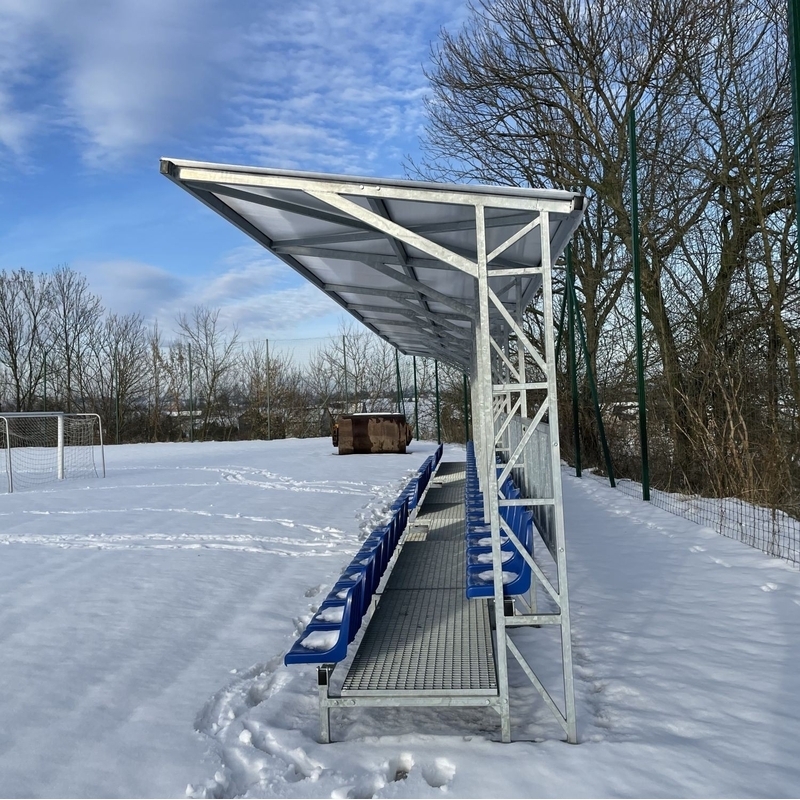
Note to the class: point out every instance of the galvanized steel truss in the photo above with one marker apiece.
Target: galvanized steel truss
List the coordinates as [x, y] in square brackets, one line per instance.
[443, 272]
[501, 392]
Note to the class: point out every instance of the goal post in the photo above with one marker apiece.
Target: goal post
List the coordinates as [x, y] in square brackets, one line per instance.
[39, 447]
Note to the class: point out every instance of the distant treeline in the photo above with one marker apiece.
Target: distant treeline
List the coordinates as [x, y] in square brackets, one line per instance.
[60, 349]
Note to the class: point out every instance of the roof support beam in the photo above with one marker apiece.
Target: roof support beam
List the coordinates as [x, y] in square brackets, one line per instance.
[421, 288]
[354, 255]
[507, 220]
[283, 205]
[379, 207]
[410, 307]
[398, 231]
[512, 199]
[422, 317]
[428, 314]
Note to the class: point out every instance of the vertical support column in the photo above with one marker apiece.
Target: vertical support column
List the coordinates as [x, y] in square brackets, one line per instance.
[466, 411]
[490, 499]
[323, 684]
[521, 353]
[477, 426]
[523, 411]
[555, 465]
[60, 447]
[506, 376]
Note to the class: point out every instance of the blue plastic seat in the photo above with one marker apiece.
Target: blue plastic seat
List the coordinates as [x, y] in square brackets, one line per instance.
[337, 621]
[324, 641]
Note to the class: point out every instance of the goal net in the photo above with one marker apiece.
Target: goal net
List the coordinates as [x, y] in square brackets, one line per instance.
[41, 447]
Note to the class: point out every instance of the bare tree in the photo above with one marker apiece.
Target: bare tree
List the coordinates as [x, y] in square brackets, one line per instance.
[540, 94]
[214, 356]
[24, 309]
[74, 321]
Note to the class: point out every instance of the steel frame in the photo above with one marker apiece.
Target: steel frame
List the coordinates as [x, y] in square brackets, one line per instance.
[509, 376]
[501, 393]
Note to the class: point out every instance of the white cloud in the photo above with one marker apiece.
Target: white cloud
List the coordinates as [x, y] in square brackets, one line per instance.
[254, 293]
[316, 84]
[132, 287]
[340, 87]
[117, 74]
[141, 70]
[260, 295]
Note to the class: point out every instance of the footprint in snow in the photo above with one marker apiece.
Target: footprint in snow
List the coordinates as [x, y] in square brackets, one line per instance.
[398, 768]
[439, 773]
[769, 587]
[697, 549]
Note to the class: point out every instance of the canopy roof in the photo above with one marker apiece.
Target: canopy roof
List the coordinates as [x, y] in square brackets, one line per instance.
[401, 256]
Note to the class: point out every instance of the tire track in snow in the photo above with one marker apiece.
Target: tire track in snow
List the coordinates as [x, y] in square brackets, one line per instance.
[263, 479]
[327, 541]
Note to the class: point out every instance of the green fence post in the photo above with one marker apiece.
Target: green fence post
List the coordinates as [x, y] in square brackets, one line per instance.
[593, 388]
[637, 292]
[191, 397]
[397, 376]
[466, 411]
[269, 425]
[344, 362]
[573, 364]
[438, 407]
[561, 324]
[416, 402]
[794, 54]
[116, 393]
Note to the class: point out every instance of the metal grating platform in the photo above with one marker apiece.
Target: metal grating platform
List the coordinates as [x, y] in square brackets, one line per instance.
[425, 641]
[449, 471]
[444, 523]
[429, 565]
[451, 493]
[425, 637]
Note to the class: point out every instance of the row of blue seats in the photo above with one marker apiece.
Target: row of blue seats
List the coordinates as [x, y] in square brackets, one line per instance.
[417, 485]
[480, 570]
[338, 620]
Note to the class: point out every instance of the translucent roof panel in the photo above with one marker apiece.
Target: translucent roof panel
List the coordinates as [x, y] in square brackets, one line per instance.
[401, 256]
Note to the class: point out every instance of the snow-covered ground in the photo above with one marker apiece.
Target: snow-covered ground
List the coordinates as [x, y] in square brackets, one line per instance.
[143, 619]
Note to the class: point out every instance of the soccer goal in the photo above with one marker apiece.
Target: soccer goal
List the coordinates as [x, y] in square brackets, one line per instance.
[43, 446]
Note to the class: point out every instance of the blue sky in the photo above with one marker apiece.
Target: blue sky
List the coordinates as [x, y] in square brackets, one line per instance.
[94, 92]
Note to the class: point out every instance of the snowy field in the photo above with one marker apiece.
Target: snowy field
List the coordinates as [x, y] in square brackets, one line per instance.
[143, 620]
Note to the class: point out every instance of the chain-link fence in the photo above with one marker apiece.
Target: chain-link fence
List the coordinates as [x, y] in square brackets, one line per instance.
[720, 444]
[534, 473]
[770, 530]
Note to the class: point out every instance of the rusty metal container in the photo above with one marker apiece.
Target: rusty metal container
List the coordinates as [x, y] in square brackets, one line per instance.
[376, 432]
